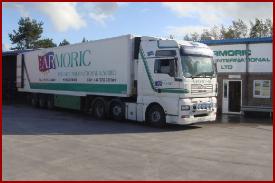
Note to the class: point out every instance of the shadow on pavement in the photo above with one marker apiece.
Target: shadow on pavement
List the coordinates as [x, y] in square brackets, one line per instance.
[24, 120]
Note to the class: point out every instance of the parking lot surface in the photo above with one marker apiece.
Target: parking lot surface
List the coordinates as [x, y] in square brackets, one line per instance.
[64, 145]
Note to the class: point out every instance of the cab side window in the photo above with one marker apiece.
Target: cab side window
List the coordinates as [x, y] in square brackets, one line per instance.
[164, 66]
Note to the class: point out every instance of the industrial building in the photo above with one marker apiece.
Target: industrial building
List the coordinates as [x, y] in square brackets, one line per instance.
[244, 68]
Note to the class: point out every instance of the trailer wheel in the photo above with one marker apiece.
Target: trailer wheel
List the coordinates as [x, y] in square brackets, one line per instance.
[117, 110]
[42, 101]
[99, 109]
[156, 116]
[34, 100]
[50, 102]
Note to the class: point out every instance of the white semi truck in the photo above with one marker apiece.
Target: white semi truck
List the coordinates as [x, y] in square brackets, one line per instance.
[128, 77]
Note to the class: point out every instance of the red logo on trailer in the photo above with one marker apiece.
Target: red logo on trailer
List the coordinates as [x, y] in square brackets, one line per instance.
[46, 62]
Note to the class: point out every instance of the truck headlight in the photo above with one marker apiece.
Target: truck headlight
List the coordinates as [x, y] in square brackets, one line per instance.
[185, 107]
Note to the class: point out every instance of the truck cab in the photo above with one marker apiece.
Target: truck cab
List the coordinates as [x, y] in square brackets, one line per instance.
[176, 82]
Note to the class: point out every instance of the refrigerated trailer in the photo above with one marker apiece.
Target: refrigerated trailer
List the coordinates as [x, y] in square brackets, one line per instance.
[128, 77]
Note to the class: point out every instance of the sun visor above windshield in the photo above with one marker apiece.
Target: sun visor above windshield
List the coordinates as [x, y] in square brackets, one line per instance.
[167, 44]
[193, 50]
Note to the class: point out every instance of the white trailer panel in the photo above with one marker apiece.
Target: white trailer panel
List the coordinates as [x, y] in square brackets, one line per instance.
[102, 67]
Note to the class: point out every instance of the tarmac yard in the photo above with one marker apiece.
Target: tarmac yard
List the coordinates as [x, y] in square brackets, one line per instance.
[40, 144]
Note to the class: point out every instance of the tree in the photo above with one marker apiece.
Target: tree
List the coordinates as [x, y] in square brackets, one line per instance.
[84, 40]
[192, 37]
[195, 36]
[227, 33]
[256, 28]
[239, 28]
[44, 43]
[206, 35]
[261, 28]
[269, 26]
[215, 32]
[171, 36]
[64, 42]
[28, 32]
[187, 38]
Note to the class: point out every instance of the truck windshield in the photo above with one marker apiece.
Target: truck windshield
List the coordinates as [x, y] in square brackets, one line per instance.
[197, 66]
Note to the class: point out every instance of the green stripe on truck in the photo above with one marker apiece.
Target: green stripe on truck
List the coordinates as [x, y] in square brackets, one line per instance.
[97, 88]
[174, 90]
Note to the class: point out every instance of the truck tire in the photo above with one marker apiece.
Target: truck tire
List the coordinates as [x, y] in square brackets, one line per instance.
[50, 102]
[99, 109]
[156, 116]
[42, 101]
[117, 110]
[34, 100]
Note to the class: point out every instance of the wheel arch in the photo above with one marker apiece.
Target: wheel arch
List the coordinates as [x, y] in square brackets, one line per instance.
[115, 100]
[95, 99]
[150, 105]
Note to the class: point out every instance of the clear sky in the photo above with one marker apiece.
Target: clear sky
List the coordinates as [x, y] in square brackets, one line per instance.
[73, 21]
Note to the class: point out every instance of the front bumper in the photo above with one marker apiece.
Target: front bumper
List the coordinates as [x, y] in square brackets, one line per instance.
[196, 114]
[191, 119]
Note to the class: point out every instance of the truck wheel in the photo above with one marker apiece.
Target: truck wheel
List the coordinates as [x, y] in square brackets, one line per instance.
[156, 116]
[34, 100]
[117, 110]
[50, 102]
[42, 101]
[99, 109]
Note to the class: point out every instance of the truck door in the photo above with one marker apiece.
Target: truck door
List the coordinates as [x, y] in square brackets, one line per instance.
[159, 68]
[165, 71]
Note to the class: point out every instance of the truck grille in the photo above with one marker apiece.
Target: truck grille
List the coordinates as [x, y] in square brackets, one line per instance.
[201, 88]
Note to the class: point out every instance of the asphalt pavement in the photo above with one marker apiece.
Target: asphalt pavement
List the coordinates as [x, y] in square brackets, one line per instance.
[39, 144]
